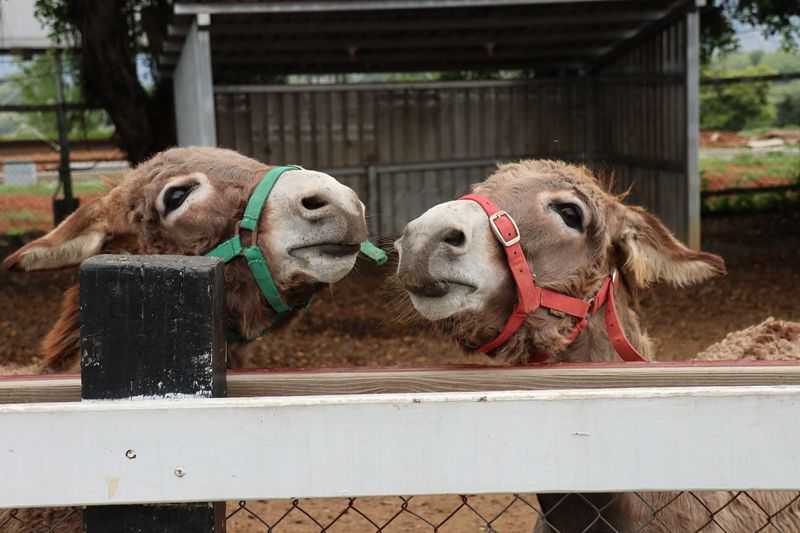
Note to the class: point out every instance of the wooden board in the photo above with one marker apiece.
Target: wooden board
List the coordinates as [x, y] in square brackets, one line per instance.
[182, 450]
[29, 389]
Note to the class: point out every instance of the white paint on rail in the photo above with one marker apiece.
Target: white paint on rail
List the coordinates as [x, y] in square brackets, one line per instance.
[99, 452]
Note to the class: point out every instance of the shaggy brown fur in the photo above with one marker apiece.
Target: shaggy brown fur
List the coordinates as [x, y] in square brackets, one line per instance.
[643, 251]
[64, 337]
[616, 236]
[127, 219]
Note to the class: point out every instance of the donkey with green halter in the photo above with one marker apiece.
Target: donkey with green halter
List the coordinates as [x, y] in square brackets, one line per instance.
[297, 230]
[233, 248]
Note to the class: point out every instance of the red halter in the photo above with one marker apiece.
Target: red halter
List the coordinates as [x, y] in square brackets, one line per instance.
[530, 297]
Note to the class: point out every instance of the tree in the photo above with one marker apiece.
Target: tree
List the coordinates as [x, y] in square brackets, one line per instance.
[756, 56]
[111, 35]
[774, 17]
[738, 105]
[788, 111]
[34, 83]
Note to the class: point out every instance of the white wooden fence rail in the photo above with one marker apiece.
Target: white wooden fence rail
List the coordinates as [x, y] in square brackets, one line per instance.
[183, 450]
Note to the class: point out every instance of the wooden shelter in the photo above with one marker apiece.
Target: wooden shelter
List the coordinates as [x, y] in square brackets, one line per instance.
[612, 83]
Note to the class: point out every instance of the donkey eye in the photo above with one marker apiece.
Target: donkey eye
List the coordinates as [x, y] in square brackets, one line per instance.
[571, 214]
[175, 196]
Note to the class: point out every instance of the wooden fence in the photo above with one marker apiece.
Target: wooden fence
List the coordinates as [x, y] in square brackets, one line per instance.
[557, 428]
[351, 129]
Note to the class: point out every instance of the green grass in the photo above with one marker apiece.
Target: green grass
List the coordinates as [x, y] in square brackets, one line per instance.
[744, 169]
[778, 165]
[47, 189]
[23, 215]
[755, 132]
[752, 203]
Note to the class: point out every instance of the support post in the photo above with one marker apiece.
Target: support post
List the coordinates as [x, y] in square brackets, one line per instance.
[194, 87]
[62, 207]
[374, 195]
[692, 89]
[151, 327]
[590, 94]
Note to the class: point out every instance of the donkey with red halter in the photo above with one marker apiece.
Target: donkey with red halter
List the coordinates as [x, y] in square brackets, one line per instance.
[521, 269]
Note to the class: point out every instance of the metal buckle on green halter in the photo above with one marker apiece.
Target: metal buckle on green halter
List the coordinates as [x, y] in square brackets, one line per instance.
[232, 248]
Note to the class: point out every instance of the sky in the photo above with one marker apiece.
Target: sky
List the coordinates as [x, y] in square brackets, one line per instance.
[752, 39]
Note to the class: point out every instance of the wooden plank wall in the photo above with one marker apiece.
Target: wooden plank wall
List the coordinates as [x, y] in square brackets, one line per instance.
[640, 127]
[335, 127]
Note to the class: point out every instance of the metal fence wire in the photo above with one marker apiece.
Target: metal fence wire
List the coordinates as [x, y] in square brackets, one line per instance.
[661, 512]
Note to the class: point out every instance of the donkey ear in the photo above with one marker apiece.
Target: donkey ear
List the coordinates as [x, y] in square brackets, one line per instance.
[649, 253]
[80, 236]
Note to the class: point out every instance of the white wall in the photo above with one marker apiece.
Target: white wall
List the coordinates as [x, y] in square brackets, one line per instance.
[19, 29]
[194, 91]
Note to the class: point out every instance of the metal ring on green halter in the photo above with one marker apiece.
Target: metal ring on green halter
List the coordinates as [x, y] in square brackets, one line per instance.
[232, 248]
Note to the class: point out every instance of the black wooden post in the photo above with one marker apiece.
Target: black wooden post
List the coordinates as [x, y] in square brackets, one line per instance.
[151, 327]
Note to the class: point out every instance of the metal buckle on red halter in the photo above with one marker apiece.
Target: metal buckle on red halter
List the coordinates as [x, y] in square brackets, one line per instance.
[530, 297]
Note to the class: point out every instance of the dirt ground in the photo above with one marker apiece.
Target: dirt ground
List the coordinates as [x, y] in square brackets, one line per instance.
[350, 326]
[46, 158]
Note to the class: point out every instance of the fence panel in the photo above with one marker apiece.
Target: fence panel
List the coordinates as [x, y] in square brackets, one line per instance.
[341, 128]
[643, 125]
[598, 429]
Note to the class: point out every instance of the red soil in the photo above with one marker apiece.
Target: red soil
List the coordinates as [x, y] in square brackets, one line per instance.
[721, 139]
[40, 207]
[46, 158]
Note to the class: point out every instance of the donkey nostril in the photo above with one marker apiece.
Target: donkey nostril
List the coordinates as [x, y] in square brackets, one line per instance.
[455, 238]
[314, 202]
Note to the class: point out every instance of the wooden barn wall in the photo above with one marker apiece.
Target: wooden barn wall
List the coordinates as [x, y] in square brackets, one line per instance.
[641, 128]
[354, 126]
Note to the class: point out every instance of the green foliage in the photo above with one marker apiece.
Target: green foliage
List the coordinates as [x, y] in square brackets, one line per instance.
[49, 189]
[738, 105]
[781, 61]
[742, 169]
[788, 111]
[756, 56]
[774, 17]
[23, 215]
[751, 202]
[112, 35]
[751, 170]
[783, 95]
[35, 83]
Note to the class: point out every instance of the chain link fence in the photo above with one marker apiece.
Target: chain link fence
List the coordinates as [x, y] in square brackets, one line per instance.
[633, 512]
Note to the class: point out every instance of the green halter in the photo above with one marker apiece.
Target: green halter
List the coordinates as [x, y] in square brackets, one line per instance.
[232, 248]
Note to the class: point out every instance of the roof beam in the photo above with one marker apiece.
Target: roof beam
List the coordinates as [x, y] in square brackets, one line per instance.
[245, 72]
[437, 23]
[784, 76]
[432, 56]
[647, 29]
[573, 64]
[391, 43]
[304, 6]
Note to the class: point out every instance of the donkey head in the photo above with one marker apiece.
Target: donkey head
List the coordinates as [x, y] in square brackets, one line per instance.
[573, 234]
[186, 201]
